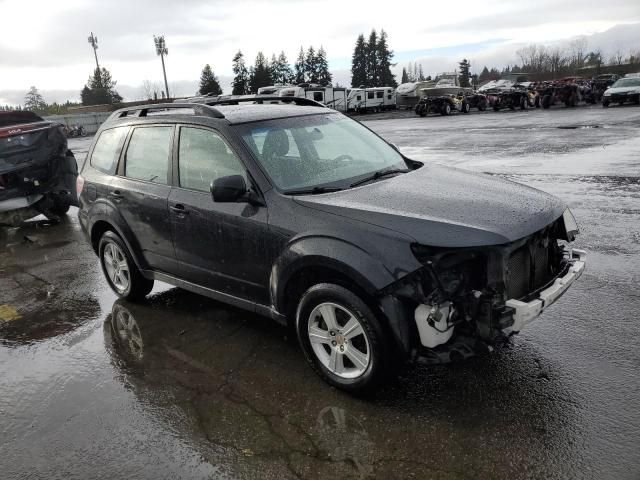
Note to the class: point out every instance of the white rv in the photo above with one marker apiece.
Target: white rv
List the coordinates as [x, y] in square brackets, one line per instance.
[332, 97]
[371, 99]
[272, 89]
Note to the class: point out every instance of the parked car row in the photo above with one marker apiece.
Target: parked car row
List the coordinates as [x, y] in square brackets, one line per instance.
[504, 94]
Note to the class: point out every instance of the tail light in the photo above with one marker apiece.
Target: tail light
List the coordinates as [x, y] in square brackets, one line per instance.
[79, 185]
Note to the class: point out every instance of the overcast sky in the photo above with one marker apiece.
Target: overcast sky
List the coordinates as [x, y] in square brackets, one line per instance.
[44, 43]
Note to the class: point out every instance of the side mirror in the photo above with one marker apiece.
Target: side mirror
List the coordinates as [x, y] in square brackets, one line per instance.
[231, 188]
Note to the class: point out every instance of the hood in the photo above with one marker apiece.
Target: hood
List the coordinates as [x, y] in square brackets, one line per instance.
[633, 89]
[445, 207]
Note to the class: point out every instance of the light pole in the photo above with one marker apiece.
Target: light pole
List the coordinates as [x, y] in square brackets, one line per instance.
[93, 41]
[161, 49]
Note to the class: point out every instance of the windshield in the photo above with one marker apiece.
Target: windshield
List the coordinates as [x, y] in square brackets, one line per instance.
[627, 82]
[318, 151]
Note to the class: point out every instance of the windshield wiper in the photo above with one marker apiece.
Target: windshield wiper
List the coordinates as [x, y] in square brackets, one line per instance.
[379, 174]
[312, 191]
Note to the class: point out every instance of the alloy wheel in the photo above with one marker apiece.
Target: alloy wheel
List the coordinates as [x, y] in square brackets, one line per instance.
[339, 340]
[117, 267]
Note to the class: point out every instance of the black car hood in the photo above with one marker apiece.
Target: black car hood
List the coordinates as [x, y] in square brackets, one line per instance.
[447, 207]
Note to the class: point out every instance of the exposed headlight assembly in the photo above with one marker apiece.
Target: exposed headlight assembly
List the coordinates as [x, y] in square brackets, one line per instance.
[570, 225]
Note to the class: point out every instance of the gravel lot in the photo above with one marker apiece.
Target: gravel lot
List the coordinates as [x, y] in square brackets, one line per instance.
[201, 390]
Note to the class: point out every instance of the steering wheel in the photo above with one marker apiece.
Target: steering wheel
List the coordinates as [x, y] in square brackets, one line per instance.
[343, 158]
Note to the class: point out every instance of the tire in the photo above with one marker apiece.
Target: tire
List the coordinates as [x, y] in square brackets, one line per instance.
[536, 102]
[605, 103]
[482, 106]
[124, 279]
[466, 108]
[323, 312]
[524, 103]
[446, 109]
[546, 101]
[496, 108]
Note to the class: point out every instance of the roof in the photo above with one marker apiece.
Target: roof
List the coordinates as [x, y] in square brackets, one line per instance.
[254, 113]
[233, 110]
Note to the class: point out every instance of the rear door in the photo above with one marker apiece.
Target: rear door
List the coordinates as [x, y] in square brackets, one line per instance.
[218, 245]
[141, 191]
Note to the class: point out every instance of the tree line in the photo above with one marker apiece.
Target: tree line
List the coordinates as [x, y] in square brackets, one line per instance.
[311, 66]
[371, 62]
[550, 62]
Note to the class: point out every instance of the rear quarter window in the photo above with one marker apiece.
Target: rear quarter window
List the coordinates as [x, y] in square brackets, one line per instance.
[105, 153]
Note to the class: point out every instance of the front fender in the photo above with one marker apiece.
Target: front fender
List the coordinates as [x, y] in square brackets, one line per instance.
[346, 258]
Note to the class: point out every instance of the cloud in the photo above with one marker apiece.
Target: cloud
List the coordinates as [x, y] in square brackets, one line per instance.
[54, 55]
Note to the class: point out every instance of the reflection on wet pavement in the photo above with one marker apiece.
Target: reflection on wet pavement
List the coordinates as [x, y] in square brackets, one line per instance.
[180, 386]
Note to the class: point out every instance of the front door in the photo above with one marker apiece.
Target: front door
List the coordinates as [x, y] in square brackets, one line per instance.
[218, 245]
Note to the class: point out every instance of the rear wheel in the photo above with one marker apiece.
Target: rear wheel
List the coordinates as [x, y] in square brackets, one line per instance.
[342, 338]
[121, 272]
[466, 108]
[446, 109]
[524, 103]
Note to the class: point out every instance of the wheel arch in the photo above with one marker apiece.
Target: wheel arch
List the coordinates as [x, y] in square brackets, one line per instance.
[353, 269]
[103, 224]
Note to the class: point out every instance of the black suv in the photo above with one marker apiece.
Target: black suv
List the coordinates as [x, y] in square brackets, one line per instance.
[295, 211]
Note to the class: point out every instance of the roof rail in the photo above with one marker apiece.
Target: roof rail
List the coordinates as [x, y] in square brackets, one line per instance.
[142, 110]
[260, 99]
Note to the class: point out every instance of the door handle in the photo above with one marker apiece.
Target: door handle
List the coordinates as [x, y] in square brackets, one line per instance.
[179, 208]
[115, 194]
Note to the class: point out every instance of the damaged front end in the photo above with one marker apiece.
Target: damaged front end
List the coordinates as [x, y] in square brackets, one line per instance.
[465, 300]
[38, 172]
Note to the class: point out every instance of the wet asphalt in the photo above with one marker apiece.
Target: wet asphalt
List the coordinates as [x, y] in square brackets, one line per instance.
[183, 387]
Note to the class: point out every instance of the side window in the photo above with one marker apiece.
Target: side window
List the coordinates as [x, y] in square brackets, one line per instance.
[369, 94]
[359, 97]
[380, 94]
[204, 156]
[318, 96]
[105, 153]
[147, 155]
[389, 97]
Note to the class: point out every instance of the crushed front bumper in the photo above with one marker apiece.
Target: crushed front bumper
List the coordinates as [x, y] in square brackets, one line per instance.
[525, 312]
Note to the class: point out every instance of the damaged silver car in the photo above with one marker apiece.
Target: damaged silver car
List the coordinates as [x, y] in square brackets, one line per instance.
[38, 172]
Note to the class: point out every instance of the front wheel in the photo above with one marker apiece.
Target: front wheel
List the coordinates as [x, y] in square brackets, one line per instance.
[121, 272]
[342, 338]
[446, 109]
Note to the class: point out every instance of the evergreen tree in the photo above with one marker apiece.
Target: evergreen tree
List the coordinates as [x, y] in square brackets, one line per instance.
[420, 74]
[240, 82]
[280, 69]
[100, 89]
[415, 72]
[259, 75]
[410, 72]
[484, 74]
[359, 63]
[405, 77]
[383, 75]
[33, 101]
[464, 73]
[373, 62]
[299, 66]
[209, 82]
[322, 68]
[311, 65]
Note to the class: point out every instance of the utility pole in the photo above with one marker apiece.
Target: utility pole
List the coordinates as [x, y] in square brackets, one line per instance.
[161, 49]
[93, 40]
